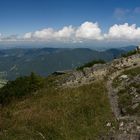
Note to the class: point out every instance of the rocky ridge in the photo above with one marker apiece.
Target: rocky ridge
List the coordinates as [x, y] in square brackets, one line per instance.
[101, 71]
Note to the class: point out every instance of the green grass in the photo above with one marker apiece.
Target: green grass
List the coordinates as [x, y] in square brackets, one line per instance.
[58, 114]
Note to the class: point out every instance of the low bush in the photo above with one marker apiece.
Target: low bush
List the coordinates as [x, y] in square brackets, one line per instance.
[90, 64]
[20, 87]
[129, 53]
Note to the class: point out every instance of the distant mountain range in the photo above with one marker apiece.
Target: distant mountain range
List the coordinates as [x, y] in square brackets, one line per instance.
[44, 61]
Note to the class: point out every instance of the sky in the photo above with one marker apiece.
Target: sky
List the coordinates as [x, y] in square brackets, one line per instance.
[94, 22]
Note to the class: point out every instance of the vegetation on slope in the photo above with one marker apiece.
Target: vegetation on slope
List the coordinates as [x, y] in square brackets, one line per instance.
[58, 114]
[90, 64]
[21, 87]
[129, 53]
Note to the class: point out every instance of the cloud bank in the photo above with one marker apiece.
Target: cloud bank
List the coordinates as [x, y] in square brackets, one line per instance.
[86, 32]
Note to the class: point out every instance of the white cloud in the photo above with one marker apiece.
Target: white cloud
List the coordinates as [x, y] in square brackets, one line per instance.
[28, 35]
[89, 30]
[123, 32]
[66, 32]
[44, 34]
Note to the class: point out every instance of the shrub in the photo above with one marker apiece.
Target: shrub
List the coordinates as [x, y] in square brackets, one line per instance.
[20, 87]
[90, 64]
[129, 53]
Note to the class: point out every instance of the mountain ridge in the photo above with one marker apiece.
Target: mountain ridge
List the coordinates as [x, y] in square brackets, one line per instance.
[45, 61]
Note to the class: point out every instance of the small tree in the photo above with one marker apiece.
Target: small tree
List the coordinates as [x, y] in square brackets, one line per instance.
[36, 82]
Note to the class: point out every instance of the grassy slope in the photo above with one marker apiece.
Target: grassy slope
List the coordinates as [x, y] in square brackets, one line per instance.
[58, 114]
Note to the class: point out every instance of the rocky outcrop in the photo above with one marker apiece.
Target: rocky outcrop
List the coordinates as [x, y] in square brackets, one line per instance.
[101, 71]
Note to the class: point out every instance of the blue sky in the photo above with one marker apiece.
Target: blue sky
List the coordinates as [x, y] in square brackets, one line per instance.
[18, 17]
